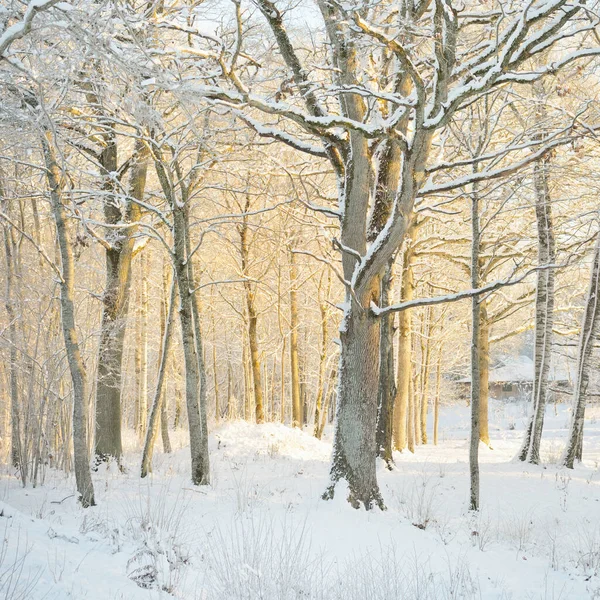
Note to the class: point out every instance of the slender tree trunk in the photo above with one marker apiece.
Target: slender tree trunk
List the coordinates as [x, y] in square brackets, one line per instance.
[16, 452]
[484, 373]
[544, 314]
[476, 352]
[386, 391]
[83, 477]
[425, 375]
[294, 359]
[195, 388]
[587, 338]
[214, 368]
[436, 406]
[322, 365]
[116, 303]
[252, 322]
[404, 365]
[166, 306]
[282, 377]
[155, 412]
[143, 401]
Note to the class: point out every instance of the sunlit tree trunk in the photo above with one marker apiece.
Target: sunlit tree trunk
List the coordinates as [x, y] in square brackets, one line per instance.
[294, 358]
[322, 360]
[404, 363]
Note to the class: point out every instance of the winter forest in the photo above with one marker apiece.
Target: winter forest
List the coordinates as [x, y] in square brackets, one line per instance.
[300, 299]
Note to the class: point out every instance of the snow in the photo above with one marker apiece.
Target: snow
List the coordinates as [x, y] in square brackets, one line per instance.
[261, 530]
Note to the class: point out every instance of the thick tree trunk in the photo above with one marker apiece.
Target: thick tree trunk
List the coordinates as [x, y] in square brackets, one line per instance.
[83, 477]
[294, 359]
[354, 447]
[544, 314]
[155, 412]
[404, 363]
[587, 338]
[116, 304]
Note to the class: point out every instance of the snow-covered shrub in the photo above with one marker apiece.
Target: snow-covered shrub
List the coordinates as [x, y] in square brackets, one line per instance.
[260, 558]
[157, 527]
[419, 501]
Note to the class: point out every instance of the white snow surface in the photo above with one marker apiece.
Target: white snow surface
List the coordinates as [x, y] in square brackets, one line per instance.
[261, 531]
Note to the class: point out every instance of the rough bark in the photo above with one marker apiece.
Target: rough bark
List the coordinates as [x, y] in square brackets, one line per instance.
[589, 333]
[386, 391]
[115, 312]
[85, 488]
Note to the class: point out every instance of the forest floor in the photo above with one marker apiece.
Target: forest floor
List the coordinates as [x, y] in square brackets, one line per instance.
[261, 531]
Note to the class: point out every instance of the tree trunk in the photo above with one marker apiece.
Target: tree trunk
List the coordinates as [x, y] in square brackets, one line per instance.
[294, 359]
[386, 390]
[322, 365]
[143, 381]
[476, 352]
[404, 365]
[425, 374]
[544, 314]
[158, 402]
[484, 373]
[436, 406]
[354, 447]
[587, 338]
[16, 452]
[116, 304]
[252, 321]
[83, 477]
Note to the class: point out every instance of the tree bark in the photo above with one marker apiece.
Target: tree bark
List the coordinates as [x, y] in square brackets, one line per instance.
[484, 372]
[544, 314]
[252, 321]
[404, 364]
[16, 452]
[322, 365]
[155, 412]
[476, 352]
[589, 333]
[115, 312]
[83, 477]
[386, 391]
[294, 359]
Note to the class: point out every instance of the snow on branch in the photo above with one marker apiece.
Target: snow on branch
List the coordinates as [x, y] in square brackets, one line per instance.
[490, 287]
[23, 27]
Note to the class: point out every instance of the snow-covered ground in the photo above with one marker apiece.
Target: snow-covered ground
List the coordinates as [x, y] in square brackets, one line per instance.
[261, 530]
